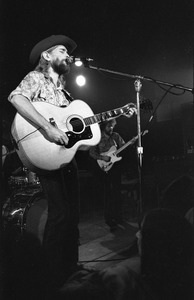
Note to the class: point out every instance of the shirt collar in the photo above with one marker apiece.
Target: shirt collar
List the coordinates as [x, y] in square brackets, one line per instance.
[59, 85]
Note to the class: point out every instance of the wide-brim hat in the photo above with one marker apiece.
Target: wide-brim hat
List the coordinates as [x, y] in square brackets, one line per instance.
[49, 42]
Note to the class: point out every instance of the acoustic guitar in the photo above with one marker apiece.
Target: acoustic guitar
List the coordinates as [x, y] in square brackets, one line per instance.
[77, 120]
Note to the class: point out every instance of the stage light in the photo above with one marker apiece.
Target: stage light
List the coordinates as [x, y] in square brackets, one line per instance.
[80, 80]
[78, 63]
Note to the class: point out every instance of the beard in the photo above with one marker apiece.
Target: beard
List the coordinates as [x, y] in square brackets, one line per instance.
[61, 67]
[109, 132]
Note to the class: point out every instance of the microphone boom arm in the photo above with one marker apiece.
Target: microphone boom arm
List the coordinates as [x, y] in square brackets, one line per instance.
[178, 86]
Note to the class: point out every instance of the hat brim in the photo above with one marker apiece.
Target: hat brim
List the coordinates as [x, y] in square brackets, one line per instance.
[49, 42]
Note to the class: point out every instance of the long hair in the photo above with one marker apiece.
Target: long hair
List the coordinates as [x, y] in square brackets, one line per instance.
[167, 254]
[43, 66]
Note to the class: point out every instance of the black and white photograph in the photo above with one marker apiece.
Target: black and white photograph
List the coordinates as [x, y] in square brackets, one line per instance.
[97, 140]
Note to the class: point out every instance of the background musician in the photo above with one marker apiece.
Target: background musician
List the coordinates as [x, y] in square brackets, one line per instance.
[111, 180]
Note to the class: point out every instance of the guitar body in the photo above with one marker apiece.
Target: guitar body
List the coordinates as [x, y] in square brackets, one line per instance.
[112, 152]
[106, 166]
[34, 148]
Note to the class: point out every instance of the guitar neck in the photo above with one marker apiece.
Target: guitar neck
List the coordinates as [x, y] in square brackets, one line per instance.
[132, 141]
[104, 116]
[126, 145]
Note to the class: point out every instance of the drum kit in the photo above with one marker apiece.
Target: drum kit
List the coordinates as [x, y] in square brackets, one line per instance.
[22, 178]
[25, 209]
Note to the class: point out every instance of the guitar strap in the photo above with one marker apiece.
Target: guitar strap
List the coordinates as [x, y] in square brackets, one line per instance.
[115, 144]
[68, 96]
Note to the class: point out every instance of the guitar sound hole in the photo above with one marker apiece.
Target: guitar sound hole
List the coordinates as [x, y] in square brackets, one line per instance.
[77, 125]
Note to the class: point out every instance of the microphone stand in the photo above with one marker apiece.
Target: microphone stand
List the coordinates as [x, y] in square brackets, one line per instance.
[138, 86]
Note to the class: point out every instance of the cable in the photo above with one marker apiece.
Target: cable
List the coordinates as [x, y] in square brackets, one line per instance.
[28, 135]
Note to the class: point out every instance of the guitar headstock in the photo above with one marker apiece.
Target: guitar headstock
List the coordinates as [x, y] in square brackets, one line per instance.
[127, 110]
[130, 108]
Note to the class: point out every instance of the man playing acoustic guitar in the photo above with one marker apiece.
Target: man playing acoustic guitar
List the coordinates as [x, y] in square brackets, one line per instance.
[61, 188]
[46, 136]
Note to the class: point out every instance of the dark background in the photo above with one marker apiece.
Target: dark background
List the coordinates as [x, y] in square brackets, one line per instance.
[149, 38]
[143, 37]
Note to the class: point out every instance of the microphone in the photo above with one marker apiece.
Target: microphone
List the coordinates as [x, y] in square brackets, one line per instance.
[82, 59]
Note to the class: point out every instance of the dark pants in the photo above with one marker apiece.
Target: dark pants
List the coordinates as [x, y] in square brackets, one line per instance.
[112, 196]
[61, 236]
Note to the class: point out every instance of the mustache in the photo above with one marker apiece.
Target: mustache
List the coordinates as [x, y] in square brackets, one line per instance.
[68, 60]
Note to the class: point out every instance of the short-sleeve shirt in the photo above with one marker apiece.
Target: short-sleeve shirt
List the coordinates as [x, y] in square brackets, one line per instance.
[37, 86]
[106, 143]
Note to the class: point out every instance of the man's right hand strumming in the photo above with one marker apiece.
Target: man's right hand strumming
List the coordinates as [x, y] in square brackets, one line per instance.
[27, 110]
[56, 135]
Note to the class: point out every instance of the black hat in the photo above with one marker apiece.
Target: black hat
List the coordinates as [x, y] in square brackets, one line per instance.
[49, 42]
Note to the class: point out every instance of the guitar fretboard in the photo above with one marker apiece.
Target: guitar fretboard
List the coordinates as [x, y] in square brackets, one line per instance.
[132, 141]
[101, 117]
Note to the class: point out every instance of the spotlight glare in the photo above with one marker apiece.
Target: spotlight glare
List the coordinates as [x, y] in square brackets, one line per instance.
[80, 80]
[78, 63]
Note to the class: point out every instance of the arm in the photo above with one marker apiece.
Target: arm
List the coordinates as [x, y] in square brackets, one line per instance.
[94, 153]
[120, 140]
[27, 110]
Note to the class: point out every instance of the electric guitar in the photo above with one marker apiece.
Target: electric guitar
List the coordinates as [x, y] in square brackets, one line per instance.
[112, 153]
[77, 120]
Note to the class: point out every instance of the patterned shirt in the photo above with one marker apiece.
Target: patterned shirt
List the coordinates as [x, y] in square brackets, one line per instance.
[105, 144]
[37, 86]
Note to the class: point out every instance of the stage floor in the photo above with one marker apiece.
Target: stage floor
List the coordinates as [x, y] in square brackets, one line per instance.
[98, 248]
